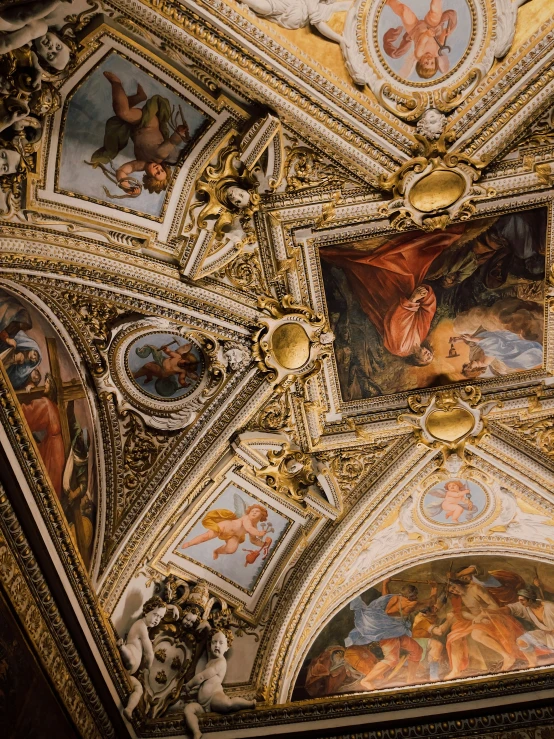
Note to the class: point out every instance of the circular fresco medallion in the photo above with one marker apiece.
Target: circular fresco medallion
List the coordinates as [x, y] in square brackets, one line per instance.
[423, 41]
[165, 366]
[454, 502]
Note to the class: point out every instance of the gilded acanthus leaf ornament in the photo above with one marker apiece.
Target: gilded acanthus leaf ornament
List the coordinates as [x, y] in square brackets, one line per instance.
[227, 190]
[537, 431]
[289, 472]
[226, 197]
[276, 415]
[436, 187]
[449, 419]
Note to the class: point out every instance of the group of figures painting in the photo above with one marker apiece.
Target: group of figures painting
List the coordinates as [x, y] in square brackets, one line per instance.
[437, 621]
[422, 309]
[54, 406]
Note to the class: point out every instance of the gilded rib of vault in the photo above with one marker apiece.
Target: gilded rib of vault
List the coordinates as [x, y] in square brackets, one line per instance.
[209, 217]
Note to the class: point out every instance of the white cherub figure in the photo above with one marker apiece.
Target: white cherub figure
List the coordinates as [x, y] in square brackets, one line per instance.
[208, 684]
[9, 161]
[138, 645]
[296, 14]
[28, 22]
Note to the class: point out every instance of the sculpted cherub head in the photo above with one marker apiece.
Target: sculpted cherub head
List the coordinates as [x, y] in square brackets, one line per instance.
[226, 190]
[191, 616]
[10, 161]
[236, 356]
[238, 197]
[220, 641]
[431, 124]
[153, 611]
[52, 51]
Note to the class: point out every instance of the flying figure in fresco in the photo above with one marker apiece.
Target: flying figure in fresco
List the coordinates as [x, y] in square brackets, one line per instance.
[296, 14]
[233, 528]
[422, 40]
[156, 149]
[455, 497]
[173, 369]
[499, 352]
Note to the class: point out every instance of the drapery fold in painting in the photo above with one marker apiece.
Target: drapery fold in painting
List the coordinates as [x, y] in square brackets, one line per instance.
[384, 280]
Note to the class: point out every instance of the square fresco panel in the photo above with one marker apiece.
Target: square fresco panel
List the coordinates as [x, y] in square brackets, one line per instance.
[235, 537]
[124, 134]
[442, 620]
[420, 310]
[53, 402]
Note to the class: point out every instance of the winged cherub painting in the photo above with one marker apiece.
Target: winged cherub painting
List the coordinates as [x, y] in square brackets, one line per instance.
[124, 136]
[233, 520]
[232, 527]
[424, 39]
[457, 501]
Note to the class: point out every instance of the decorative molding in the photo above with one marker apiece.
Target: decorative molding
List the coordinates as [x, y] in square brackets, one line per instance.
[26, 589]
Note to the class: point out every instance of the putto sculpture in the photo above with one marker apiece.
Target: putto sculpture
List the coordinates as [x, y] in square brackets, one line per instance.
[138, 647]
[207, 684]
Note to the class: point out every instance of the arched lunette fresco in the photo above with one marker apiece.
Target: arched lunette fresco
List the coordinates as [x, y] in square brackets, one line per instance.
[442, 620]
[54, 404]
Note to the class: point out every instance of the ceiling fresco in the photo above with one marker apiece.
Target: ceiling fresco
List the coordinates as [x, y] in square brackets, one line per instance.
[277, 347]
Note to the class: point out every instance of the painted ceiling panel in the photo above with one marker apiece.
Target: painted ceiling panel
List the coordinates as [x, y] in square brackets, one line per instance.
[276, 349]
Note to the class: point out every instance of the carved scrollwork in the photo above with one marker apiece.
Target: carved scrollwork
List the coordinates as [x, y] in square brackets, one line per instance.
[289, 472]
[437, 187]
[226, 198]
[274, 416]
[181, 372]
[245, 272]
[186, 615]
[538, 432]
[449, 419]
[349, 466]
[291, 342]
[140, 449]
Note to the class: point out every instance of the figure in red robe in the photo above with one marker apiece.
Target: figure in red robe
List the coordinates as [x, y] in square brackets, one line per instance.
[43, 416]
[388, 283]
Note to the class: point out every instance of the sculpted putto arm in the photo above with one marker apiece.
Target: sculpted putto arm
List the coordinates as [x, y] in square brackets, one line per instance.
[24, 23]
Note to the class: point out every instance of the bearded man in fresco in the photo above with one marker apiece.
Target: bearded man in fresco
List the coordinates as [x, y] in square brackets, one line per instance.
[476, 618]
[388, 283]
[386, 621]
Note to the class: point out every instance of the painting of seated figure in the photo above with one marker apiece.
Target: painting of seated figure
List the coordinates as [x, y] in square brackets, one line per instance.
[419, 310]
[54, 406]
[125, 133]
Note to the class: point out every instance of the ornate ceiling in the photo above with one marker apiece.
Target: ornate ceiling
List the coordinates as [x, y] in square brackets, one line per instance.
[276, 355]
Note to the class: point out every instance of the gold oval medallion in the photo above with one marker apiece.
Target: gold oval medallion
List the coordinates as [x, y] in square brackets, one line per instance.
[291, 345]
[438, 190]
[450, 425]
